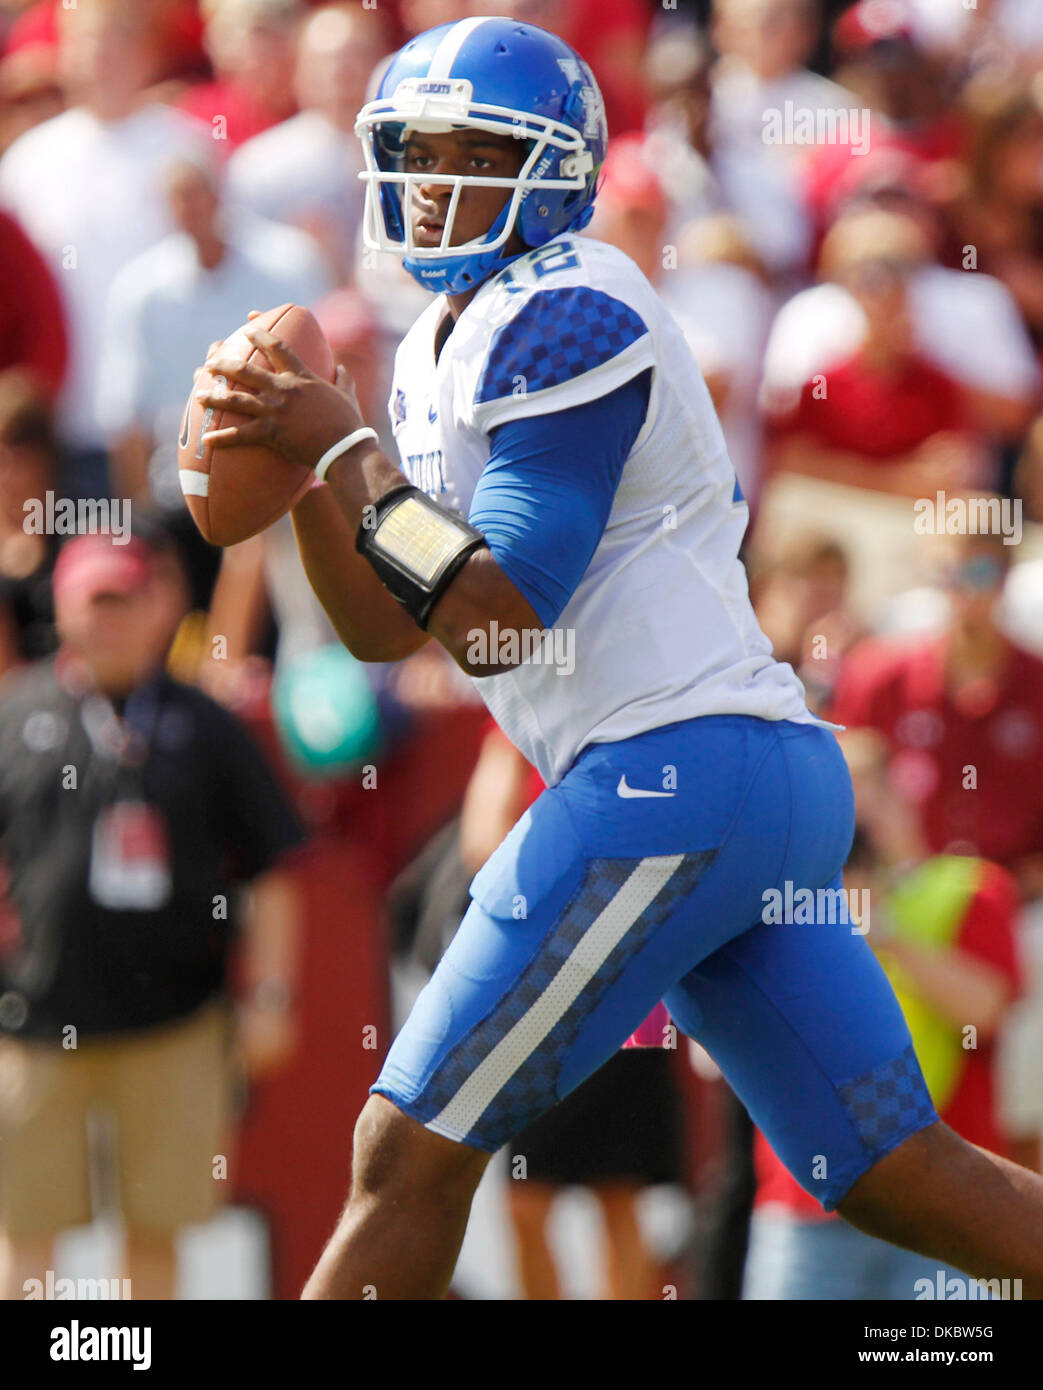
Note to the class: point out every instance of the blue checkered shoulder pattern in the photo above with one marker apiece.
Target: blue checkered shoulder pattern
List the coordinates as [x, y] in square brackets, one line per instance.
[888, 1102]
[555, 336]
[533, 1087]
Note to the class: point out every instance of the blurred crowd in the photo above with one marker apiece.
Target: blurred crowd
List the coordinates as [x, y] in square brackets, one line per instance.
[841, 202]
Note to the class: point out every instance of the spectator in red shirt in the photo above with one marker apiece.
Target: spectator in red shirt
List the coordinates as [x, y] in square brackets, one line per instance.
[963, 713]
[252, 46]
[32, 323]
[944, 930]
[34, 36]
[884, 417]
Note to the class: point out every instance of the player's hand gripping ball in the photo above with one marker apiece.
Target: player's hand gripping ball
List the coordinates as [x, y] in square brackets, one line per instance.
[264, 409]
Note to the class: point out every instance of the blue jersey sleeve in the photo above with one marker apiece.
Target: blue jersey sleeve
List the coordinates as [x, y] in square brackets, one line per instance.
[544, 498]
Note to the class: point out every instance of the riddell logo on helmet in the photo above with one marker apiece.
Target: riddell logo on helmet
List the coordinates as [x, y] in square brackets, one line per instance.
[538, 173]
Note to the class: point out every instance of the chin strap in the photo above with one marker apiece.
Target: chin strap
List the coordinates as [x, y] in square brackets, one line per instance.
[457, 274]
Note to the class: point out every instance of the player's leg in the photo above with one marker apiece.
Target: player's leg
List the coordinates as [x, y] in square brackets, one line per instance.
[521, 1009]
[580, 922]
[959, 1204]
[805, 1027]
[404, 1223]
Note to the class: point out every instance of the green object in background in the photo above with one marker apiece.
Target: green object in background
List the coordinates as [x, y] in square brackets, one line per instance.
[325, 712]
[928, 908]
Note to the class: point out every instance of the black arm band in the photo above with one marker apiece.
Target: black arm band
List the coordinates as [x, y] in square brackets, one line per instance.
[416, 547]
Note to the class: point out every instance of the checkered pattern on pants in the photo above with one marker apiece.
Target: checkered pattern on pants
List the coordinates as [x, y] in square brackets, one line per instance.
[532, 1088]
[887, 1101]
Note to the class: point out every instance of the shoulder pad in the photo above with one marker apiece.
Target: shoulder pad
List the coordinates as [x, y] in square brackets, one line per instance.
[555, 336]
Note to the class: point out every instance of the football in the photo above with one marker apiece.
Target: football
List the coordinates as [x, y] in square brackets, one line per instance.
[237, 491]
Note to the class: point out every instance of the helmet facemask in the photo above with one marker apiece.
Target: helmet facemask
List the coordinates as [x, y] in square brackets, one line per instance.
[557, 163]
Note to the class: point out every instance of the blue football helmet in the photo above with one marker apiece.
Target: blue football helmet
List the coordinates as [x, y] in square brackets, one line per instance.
[491, 74]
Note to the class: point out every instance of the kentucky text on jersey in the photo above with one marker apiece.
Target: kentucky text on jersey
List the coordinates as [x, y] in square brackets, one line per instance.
[426, 471]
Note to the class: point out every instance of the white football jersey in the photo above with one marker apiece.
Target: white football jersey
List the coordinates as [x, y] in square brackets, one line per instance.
[660, 628]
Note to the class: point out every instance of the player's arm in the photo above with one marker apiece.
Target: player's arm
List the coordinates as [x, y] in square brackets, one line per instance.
[374, 625]
[536, 518]
[370, 622]
[535, 522]
[365, 617]
[300, 415]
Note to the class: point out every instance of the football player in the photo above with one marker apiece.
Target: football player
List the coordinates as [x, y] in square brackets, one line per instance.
[565, 521]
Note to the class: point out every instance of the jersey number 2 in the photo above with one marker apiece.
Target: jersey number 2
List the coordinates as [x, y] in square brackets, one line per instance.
[556, 255]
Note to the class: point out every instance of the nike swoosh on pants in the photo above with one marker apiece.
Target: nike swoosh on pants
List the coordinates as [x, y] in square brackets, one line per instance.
[624, 791]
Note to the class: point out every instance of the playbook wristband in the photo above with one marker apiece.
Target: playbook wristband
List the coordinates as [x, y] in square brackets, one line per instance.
[417, 547]
[342, 446]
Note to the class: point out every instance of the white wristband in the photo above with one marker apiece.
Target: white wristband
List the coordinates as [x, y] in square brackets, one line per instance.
[341, 447]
